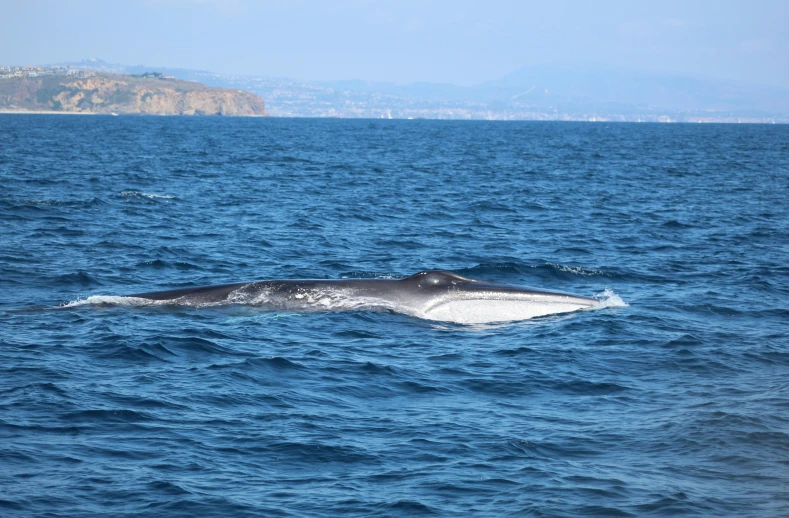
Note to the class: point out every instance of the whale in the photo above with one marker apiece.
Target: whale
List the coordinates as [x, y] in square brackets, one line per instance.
[432, 295]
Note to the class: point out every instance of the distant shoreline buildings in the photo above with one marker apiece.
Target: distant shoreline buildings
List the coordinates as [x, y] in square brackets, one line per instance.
[75, 73]
[14, 72]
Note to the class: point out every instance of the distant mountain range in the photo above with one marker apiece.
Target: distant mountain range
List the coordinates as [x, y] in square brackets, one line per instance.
[530, 93]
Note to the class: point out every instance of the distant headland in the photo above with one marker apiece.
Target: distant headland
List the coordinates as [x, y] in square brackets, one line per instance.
[65, 90]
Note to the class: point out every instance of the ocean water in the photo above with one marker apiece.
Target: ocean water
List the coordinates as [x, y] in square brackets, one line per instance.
[673, 402]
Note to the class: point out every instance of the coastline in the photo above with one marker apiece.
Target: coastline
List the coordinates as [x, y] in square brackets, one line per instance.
[52, 112]
[45, 112]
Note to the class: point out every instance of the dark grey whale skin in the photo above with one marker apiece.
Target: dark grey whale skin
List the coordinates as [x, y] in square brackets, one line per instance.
[417, 290]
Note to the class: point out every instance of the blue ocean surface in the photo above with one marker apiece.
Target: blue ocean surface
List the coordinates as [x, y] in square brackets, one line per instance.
[674, 402]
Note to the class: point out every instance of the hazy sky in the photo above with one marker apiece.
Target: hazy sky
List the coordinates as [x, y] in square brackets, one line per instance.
[454, 41]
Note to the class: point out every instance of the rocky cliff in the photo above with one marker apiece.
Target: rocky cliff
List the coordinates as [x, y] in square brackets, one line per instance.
[123, 94]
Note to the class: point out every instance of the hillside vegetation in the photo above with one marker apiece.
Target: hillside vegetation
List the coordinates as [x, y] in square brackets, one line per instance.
[125, 94]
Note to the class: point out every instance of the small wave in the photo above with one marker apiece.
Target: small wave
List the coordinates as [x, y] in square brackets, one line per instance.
[19, 201]
[79, 278]
[262, 318]
[609, 299]
[576, 270]
[51, 203]
[365, 274]
[676, 224]
[150, 196]
[112, 300]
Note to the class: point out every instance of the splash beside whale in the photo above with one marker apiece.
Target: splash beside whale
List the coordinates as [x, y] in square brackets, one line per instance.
[433, 295]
